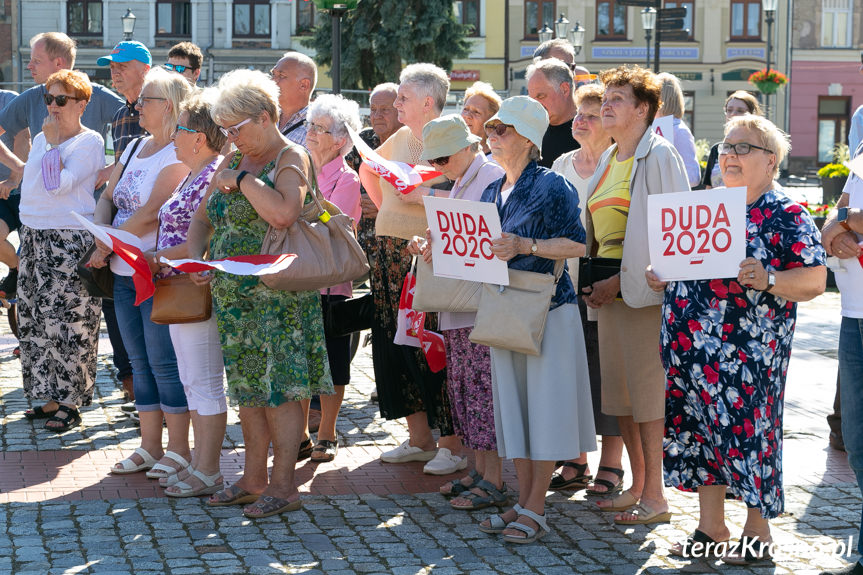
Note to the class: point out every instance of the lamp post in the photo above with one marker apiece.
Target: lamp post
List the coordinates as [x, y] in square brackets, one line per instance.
[560, 26]
[769, 15]
[337, 10]
[128, 21]
[545, 34]
[648, 22]
[576, 38]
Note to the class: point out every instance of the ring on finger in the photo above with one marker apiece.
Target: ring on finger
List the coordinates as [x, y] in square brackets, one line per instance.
[752, 275]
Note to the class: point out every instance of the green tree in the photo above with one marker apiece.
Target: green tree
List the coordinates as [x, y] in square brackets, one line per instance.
[379, 34]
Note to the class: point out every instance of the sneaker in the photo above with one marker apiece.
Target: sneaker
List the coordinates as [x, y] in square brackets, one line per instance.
[404, 453]
[445, 463]
[128, 407]
[9, 285]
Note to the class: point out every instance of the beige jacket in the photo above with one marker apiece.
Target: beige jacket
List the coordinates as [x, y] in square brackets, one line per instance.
[658, 169]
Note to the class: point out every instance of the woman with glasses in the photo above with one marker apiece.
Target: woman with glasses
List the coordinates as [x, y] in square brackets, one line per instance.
[58, 321]
[328, 142]
[197, 140]
[725, 346]
[737, 104]
[481, 102]
[145, 177]
[272, 340]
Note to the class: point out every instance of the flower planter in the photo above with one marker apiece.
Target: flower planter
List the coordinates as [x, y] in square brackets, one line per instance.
[831, 189]
[767, 87]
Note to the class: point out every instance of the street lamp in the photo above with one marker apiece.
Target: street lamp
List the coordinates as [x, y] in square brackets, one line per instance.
[128, 21]
[769, 15]
[560, 26]
[648, 22]
[337, 10]
[576, 38]
[545, 34]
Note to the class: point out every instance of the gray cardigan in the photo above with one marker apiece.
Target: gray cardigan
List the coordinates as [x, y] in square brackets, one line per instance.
[658, 169]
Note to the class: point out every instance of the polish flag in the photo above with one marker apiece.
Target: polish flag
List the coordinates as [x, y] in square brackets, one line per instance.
[433, 347]
[257, 265]
[404, 177]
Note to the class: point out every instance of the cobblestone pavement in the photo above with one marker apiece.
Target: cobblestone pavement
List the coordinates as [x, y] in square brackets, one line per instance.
[63, 514]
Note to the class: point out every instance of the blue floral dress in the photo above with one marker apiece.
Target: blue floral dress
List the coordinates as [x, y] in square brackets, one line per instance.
[725, 349]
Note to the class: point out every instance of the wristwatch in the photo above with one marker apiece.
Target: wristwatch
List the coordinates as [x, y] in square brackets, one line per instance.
[842, 218]
[240, 177]
[771, 281]
[533, 246]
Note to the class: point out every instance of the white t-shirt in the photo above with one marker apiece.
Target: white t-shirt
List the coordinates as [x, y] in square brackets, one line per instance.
[82, 157]
[134, 188]
[849, 279]
[563, 166]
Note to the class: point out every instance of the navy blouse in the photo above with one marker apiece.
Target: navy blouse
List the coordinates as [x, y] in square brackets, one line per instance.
[542, 205]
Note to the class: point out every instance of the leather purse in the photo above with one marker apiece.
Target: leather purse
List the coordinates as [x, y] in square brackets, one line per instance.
[592, 269]
[435, 293]
[99, 282]
[513, 317]
[180, 300]
[342, 318]
[323, 240]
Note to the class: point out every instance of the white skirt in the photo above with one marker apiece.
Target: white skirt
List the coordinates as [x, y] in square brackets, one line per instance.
[542, 404]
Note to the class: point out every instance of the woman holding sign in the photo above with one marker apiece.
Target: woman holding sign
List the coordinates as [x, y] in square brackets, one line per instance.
[726, 344]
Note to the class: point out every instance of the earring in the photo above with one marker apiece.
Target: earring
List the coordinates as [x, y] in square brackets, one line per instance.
[195, 150]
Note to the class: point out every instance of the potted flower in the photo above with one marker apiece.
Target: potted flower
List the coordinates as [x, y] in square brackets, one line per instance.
[768, 81]
[835, 174]
[818, 212]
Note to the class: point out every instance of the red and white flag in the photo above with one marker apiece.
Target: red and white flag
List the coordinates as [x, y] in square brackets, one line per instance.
[404, 177]
[410, 329]
[257, 265]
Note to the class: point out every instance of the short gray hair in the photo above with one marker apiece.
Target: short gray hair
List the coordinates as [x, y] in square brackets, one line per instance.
[303, 62]
[429, 80]
[554, 70]
[245, 94]
[343, 114]
[388, 87]
[543, 50]
[769, 135]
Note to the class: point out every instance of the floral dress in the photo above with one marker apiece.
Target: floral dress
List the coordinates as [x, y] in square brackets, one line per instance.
[725, 349]
[272, 341]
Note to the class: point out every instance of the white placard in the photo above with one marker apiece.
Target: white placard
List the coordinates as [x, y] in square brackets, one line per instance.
[856, 165]
[697, 235]
[664, 127]
[462, 232]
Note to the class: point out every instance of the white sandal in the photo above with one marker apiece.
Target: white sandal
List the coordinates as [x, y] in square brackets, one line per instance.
[212, 484]
[530, 534]
[496, 522]
[160, 470]
[129, 466]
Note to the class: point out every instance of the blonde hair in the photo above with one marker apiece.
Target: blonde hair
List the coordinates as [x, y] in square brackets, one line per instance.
[485, 90]
[245, 94]
[769, 136]
[429, 80]
[589, 94]
[199, 107]
[173, 87]
[672, 96]
[57, 45]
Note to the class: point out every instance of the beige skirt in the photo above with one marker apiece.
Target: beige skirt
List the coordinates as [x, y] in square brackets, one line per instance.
[633, 380]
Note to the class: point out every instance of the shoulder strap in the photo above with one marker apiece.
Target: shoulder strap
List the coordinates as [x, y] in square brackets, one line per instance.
[292, 127]
[131, 153]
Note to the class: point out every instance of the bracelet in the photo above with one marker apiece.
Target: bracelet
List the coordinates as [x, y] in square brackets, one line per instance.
[240, 177]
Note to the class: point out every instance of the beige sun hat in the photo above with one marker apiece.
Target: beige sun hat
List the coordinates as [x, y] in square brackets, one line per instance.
[446, 135]
[526, 115]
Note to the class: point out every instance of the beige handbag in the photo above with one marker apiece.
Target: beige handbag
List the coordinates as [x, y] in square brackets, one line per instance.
[513, 317]
[323, 239]
[178, 299]
[434, 293]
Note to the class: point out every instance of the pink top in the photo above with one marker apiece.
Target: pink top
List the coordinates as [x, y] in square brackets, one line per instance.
[340, 185]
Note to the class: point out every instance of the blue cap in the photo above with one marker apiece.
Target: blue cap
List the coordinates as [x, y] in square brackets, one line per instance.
[126, 52]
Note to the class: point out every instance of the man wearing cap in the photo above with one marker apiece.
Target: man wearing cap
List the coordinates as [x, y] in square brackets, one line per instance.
[296, 76]
[549, 82]
[129, 61]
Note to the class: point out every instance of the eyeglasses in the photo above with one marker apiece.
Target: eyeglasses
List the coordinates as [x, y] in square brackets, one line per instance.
[585, 117]
[234, 131]
[442, 161]
[497, 129]
[315, 128]
[60, 99]
[179, 68]
[180, 128]
[740, 149]
[143, 99]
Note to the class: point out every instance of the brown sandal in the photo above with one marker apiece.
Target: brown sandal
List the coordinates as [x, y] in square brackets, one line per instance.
[324, 451]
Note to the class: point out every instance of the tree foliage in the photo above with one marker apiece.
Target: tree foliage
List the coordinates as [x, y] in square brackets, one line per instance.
[379, 34]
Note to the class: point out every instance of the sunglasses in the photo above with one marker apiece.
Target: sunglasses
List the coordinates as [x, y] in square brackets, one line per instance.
[740, 149]
[442, 161]
[497, 129]
[61, 99]
[234, 131]
[179, 68]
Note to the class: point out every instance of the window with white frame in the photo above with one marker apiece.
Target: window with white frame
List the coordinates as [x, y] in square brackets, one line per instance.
[836, 21]
[251, 18]
[84, 17]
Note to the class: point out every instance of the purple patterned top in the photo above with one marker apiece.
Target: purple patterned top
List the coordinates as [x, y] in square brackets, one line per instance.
[175, 215]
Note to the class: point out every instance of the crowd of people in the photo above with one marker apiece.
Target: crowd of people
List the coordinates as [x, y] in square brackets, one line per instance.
[687, 376]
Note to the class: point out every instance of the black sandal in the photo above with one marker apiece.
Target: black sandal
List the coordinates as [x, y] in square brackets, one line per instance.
[38, 413]
[327, 448]
[612, 488]
[305, 449]
[70, 419]
[578, 482]
[458, 487]
[699, 545]
[749, 551]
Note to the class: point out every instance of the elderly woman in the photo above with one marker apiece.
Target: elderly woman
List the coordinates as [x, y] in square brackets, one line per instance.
[539, 416]
[673, 105]
[481, 102]
[58, 321]
[197, 140]
[405, 384]
[639, 164]
[737, 104]
[152, 172]
[578, 167]
[725, 398]
[272, 341]
[328, 142]
[451, 148]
